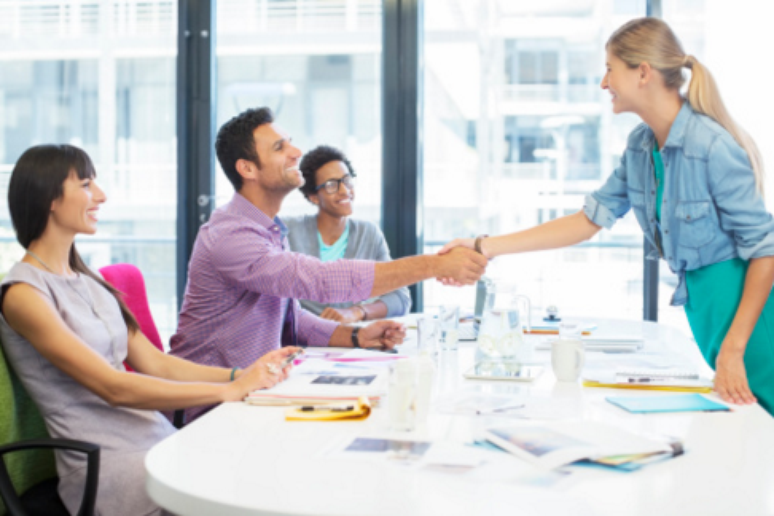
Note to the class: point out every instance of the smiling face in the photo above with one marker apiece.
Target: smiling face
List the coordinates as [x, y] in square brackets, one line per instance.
[76, 210]
[623, 83]
[279, 160]
[339, 203]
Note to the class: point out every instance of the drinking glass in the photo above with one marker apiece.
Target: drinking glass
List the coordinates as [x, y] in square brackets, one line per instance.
[449, 321]
[427, 336]
[505, 314]
[401, 397]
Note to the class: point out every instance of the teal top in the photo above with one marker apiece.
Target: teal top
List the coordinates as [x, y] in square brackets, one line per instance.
[658, 167]
[331, 253]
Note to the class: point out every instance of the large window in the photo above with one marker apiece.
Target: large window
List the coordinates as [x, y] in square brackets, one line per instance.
[317, 65]
[517, 132]
[99, 75]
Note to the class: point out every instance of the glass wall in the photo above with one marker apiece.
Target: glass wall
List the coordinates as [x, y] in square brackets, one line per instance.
[317, 65]
[101, 76]
[517, 132]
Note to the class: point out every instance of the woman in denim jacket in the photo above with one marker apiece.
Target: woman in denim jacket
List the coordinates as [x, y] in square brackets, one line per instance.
[694, 180]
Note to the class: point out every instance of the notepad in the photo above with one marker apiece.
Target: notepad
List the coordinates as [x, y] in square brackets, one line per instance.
[678, 403]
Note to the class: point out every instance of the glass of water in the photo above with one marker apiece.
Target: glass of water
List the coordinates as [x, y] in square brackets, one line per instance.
[427, 336]
[501, 334]
[449, 321]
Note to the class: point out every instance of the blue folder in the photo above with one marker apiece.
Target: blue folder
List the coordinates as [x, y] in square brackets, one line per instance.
[676, 403]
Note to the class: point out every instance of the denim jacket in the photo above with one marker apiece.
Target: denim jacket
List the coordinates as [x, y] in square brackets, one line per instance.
[710, 211]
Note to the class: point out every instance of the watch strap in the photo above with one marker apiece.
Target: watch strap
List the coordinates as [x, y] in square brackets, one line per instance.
[355, 341]
[477, 244]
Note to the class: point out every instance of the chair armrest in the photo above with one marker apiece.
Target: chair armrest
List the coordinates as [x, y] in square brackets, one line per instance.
[8, 493]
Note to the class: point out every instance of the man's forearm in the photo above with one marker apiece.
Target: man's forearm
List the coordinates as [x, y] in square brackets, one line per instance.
[392, 275]
[341, 337]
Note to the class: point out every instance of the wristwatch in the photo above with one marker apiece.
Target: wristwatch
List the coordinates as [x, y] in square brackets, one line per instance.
[355, 341]
[477, 243]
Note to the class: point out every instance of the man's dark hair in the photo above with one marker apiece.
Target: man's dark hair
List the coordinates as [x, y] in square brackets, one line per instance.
[314, 160]
[235, 141]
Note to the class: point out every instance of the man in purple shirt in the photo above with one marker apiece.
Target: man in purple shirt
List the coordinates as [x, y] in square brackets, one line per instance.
[243, 282]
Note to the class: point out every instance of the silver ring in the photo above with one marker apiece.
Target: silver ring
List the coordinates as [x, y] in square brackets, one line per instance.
[273, 369]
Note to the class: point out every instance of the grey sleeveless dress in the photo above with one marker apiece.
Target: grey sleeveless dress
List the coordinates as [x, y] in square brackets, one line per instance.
[71, 411]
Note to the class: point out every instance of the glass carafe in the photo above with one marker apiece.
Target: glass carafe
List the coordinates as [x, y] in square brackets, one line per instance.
[505, 316]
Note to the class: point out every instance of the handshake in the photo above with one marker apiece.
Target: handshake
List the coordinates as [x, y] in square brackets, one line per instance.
[459, 263]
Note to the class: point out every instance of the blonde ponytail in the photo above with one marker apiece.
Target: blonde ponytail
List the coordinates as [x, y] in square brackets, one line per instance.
[704, 97]
[650, 40]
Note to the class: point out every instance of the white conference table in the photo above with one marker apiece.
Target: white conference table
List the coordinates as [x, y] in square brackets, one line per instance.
[246, 460]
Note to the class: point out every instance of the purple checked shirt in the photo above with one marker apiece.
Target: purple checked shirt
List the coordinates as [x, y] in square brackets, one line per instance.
[240, 301]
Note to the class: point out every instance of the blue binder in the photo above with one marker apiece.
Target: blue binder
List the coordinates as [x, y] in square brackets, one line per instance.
[676, 403]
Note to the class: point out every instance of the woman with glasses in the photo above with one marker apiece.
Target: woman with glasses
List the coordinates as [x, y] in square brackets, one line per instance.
[332, 235]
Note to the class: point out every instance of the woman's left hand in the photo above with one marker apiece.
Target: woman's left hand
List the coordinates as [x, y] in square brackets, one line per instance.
[731, 378]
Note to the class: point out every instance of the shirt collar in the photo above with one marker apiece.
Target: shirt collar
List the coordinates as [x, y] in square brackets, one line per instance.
[243, 207]
[676, 132]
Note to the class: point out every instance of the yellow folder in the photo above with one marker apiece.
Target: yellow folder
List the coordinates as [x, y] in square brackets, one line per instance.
[647, 387]
[354, 411]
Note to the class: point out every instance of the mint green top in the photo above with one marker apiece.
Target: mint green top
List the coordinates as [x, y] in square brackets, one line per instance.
[331, 253]
[658, 166]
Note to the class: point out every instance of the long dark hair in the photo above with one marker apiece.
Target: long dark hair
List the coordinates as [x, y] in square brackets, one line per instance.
[37, 181]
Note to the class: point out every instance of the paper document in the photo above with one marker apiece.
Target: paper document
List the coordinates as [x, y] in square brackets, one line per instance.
[664, 379]
[612, 344]
[322, 380]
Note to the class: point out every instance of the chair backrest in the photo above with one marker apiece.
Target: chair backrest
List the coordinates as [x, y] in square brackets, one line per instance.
[20, 420]
[129, 281]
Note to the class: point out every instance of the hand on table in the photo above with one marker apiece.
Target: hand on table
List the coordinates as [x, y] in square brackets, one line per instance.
[343, 315]
[460, 266]
[382, 335]
[731, 378]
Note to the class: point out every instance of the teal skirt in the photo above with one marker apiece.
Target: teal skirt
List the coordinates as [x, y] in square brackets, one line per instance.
[714, 294]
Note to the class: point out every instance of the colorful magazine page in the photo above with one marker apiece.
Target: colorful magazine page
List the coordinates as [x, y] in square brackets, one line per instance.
[552, 445]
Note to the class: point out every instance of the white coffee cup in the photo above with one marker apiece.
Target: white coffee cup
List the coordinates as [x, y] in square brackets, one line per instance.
[567, 359]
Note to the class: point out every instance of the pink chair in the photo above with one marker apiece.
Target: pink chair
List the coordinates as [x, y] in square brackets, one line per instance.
[129, 281]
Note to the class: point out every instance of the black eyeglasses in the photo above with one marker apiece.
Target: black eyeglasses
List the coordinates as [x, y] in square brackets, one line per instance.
[332, 185]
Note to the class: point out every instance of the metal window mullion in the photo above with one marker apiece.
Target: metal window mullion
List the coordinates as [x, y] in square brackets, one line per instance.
[402, 108]
[650, 275]
[195, 126]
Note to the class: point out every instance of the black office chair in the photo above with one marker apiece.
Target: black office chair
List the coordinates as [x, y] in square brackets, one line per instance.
[42, 498]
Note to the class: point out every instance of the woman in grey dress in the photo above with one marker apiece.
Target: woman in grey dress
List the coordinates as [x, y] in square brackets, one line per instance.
[332, 234]
[67, 333]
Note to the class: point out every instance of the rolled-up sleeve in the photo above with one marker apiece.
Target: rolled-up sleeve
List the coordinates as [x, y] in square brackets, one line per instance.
[740, 206]
[253, 263]
[611, 202]
[312, 330]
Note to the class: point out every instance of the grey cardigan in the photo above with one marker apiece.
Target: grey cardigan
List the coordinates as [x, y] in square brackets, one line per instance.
[366, 242]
